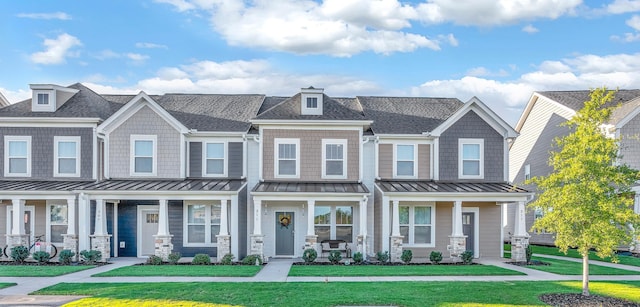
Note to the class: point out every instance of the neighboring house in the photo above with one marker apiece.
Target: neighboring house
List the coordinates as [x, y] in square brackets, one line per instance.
[3, 101]
[540, 124]
[134, 176]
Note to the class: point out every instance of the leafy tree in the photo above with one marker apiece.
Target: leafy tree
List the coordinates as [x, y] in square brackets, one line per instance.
[587, 199]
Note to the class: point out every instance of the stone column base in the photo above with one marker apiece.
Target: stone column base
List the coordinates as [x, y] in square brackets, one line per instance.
[163, 246]
[396, 249]
[519, 248]
[457, 246]
[70, 242]
[310, 241]
[224, 246]
[361, 241]
[16, 240]
[102, 243]
[257, 246]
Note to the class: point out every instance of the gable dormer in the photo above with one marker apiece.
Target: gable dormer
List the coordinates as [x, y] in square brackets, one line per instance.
[311, 101]
[49, 97]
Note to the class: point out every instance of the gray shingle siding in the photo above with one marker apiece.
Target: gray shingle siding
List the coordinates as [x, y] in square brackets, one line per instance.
[42, 154]
[472, 126]
[235, 159]
[195, 159]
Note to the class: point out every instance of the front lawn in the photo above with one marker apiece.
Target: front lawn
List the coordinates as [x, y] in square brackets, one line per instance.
[564, 267]
[398, 270]
[40, 270]
[184, 270]
[573, 253]
[7, 284]
[338, 293]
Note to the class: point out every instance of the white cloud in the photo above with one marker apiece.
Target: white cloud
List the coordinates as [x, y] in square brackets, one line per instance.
[180, 5]
[15, 96]
[484, 72]
[108, 54]
[136, 57]
[150, 46]
[634, 22]
[623, 6]
[530, 29]
[46, 16]
[56, 50]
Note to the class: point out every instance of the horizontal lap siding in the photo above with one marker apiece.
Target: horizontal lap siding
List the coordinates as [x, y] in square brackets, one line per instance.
[195, 159]
[176, 228]
[385, 161]
[235, 159]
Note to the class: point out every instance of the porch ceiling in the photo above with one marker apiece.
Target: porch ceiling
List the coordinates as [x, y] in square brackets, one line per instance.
[310, 187]
[429, 186]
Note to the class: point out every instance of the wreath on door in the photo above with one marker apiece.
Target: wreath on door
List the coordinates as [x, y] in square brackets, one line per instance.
[285, 220]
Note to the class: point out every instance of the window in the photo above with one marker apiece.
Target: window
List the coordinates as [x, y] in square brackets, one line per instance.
[66, 156]
[202, 224]
[58, 221]
[286, 162]
[312, 102]
[17, 156]
[334, 222]
[143, 155]
[214, 159]
[405, 160]
[42, 99]
[471, 158]
[334, 156]
[527, 172]
[538, 213]
[416, 225]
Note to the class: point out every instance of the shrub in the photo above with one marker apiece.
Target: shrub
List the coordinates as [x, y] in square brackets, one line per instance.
[335, 257]
[406, 256]
[467, 257]
[358, 258]
[201, 259]
[41, 257]
[227, 259]
[383, 257]
[435, 257]
[252, 260]
[90, 256]
[174, 257]
[66, 256]
[528, 253]
[309, 255]
[154, 260]
[19, 253]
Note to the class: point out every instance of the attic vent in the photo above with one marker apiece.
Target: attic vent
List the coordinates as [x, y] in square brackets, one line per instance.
[311, 101]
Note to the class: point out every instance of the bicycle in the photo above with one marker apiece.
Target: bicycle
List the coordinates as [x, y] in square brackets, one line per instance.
[39, 245]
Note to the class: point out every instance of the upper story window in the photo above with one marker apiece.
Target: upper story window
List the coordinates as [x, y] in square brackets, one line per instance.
[42, 98]
[143, 155]
[471, 158]
[66, 160]
[17, 156]
[416, 225]
[312, 102]
[527, 172]
[214, 159]
[334, 153]
[404, 160]
[287, 158]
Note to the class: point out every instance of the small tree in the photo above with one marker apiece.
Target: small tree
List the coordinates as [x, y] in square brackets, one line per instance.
[587, 198]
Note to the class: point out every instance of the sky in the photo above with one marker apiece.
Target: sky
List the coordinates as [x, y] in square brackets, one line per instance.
[500, 51]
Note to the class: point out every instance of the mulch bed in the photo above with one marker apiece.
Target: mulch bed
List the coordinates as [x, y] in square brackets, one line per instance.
[382, 264]
[31, 263]
[576, 299]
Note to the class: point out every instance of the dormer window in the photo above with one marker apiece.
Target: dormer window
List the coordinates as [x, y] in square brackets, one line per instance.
[43, 99]
[49, 97]
[311, 101]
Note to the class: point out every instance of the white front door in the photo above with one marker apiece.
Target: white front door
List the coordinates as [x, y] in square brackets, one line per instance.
[148, 217]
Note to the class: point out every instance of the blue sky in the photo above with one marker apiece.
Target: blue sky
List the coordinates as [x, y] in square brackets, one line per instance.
[499, 51]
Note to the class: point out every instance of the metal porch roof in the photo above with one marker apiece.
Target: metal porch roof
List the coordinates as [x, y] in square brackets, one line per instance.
[447, 187]
[311, 187]
[183, 185]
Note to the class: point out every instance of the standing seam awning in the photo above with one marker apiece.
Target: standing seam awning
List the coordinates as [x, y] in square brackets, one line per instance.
[311, 187]
[448, 187]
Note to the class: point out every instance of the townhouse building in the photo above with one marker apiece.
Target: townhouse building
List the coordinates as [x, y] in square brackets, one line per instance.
[140, 175]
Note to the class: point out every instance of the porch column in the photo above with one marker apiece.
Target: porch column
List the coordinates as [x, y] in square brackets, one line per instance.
[18, 236]
[223, 237]
[257, 239]
[520, 238]
[311, 239]
[396, 238]
[362, 236]
[101, 240]
[163, 245]
[70, 239]
[457, 239]
[84, 222]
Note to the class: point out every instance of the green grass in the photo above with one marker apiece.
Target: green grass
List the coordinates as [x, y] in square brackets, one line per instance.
[40, 271]
[404, 270]
[573, 253]
[184, 270]
[564, 267]
[6, 284]
[336, 293]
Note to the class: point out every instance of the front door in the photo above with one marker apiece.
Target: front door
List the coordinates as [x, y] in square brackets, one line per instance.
[468, 228]
[284, 233]
[148, 228]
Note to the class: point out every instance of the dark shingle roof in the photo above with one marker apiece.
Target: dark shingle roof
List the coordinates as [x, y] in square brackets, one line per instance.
[289, 109]
[575, 99]
[407, 115]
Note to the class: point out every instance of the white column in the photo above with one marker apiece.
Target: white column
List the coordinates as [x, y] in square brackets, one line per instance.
[71, 216]
[101, 218]
[457, 219]
[163, 217]
[395, 226]
[84, 222]
[224, 228]
[363, 216]
[18, 217]
[257, 217]
[311, 212]
[519, 226]
[385, 223]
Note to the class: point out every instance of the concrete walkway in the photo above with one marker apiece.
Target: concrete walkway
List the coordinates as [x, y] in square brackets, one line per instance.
[275, 271]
